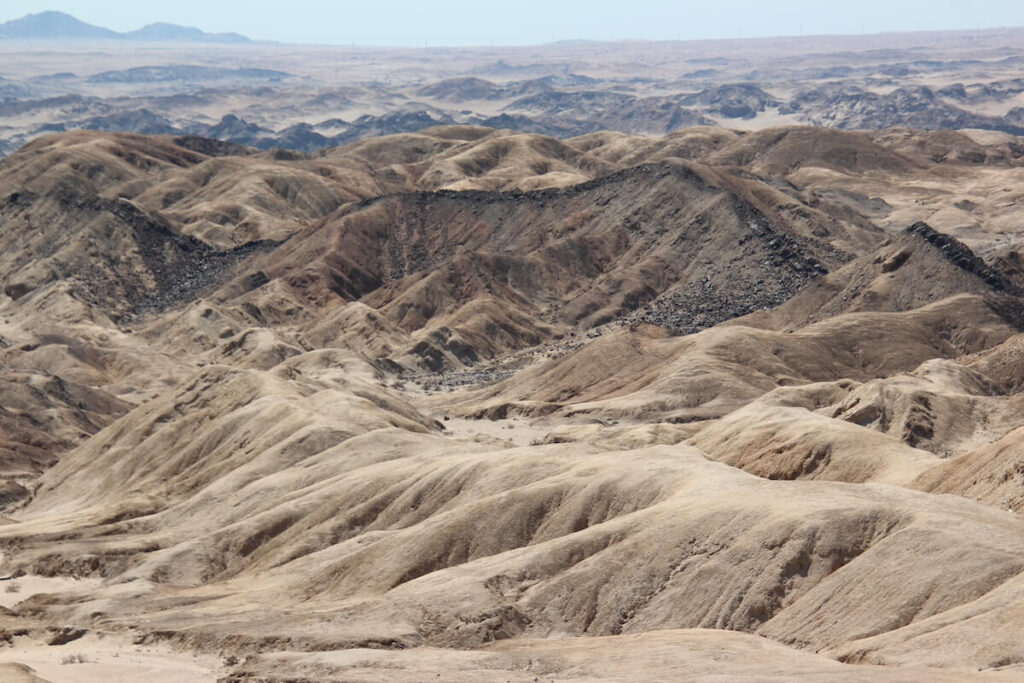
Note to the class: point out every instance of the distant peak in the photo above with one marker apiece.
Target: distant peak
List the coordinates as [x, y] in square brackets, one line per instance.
[53, 25]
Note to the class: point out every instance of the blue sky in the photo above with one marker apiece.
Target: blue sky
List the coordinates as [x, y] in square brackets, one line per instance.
[517, 22]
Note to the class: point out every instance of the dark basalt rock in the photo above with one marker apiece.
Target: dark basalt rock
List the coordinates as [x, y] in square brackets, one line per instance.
[960, 255]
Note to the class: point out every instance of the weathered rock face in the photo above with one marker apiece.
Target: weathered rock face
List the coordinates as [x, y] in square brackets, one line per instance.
[677, 245]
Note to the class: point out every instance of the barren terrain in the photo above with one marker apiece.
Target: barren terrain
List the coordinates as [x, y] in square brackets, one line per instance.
[307, 98]
[695, 395]
[479, 403]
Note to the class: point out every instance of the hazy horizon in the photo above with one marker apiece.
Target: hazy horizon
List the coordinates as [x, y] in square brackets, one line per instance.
[462, 23]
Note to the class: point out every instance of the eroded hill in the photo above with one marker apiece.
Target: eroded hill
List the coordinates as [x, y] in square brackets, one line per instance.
[755, 394]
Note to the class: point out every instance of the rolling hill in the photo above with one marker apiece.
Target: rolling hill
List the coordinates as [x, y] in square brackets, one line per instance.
[469, 403]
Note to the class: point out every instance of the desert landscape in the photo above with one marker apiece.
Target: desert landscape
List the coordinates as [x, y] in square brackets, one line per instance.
[584, 362]
[59, 74]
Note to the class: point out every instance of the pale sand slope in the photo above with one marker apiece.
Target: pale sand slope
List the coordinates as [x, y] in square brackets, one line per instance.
[29, 585]
[108, 659]
[19, 673]
[683, 655]
[441, 544]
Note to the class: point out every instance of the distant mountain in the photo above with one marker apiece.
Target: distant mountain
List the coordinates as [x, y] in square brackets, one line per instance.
[58, 25]
[162, 32]
[53, 25]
